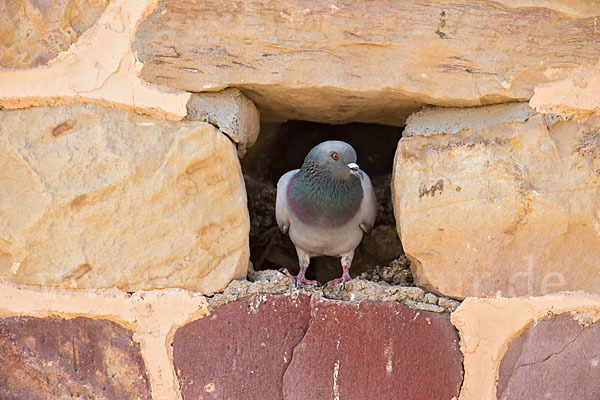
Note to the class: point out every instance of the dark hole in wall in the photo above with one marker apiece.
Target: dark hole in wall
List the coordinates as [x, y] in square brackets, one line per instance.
[282, 147]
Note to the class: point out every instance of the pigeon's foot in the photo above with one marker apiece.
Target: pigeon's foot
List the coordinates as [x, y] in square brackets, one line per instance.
[300, 279]
[341, 280]
[304, 281]
[345, 277]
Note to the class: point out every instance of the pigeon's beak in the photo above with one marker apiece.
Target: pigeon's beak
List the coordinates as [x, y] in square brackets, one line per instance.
[354, 167]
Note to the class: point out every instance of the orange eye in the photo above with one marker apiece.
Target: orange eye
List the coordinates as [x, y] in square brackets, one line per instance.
[335, 156]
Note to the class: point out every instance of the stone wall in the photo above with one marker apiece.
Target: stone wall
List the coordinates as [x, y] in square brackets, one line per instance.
[124, 224]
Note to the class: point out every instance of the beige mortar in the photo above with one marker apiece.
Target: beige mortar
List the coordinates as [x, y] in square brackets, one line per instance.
[435, 120]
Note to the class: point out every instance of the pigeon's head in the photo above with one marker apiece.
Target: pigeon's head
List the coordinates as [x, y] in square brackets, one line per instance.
[333, 156]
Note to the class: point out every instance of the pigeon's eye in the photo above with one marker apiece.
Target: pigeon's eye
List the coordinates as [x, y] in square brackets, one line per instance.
[335, 156]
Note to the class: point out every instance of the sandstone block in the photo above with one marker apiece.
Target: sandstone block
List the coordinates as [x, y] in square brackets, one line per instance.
[297, 346]
[511, 208]
[34, 32]
[230, 111]
[53, 358]
[376, 61]
[94, 197]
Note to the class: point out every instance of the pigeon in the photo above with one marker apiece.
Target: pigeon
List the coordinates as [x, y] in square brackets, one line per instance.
[326, 206]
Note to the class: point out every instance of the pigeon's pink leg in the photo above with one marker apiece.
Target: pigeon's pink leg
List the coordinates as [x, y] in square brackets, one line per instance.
[345, 276]
[300, 279]
[304, 260]
[346, 262]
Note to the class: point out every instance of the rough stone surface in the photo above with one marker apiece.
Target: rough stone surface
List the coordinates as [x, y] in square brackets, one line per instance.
[297, 346]
[490, 327]
[396, 273]
[52, 358]
[34, 32]
[231, 112]
[510, 208]
[375, 61]
[555, 358]
[274, 282]
[107, 198]
[434, 120]
[242, 349]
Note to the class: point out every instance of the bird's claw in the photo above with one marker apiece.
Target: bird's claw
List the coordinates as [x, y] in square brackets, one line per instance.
[342, 281]
[304, 281]
[300, 280]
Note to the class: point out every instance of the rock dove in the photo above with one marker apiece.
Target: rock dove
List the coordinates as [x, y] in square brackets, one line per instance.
[325, 206]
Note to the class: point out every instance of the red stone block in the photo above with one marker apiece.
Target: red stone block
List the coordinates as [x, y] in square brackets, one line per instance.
[556, 358]
[375, 350]
[298, 347]
[80, 358]
[242, 349]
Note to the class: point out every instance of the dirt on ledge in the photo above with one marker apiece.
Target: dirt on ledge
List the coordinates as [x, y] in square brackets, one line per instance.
[275, 282]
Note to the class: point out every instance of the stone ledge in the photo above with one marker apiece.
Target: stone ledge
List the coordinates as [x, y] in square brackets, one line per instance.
[273, 282]
[365, 62]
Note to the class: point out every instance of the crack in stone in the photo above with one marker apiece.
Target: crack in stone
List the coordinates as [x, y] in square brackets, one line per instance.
[210, 121]
[509, 383]
[308, 326]
[553, 353]
[461, 384]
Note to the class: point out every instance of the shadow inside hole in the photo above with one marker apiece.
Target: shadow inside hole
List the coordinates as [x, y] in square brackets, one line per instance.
[282, 147]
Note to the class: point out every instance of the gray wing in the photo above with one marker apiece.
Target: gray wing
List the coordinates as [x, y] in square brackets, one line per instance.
[368, 208]
[282, 213]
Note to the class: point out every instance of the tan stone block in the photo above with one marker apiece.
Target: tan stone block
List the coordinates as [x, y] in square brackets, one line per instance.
[94, 197]
[374, 61]
[488, 326]
[511, 208]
